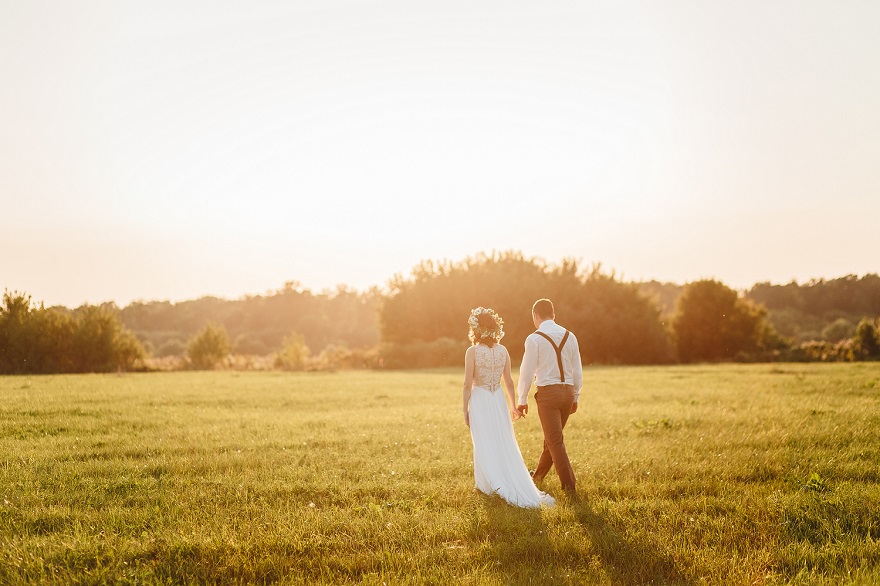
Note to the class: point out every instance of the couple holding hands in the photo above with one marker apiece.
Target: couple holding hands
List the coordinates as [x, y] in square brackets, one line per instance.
[552, 359]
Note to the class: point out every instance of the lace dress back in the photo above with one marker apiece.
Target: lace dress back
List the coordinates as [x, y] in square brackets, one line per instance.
[489, 366]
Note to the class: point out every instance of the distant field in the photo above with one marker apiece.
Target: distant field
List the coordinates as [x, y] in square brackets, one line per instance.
[758, 474]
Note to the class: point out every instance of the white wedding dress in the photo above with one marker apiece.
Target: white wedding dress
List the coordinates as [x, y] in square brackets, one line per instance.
[498, 464]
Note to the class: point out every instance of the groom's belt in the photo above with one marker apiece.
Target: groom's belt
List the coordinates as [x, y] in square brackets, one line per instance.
[557, 387]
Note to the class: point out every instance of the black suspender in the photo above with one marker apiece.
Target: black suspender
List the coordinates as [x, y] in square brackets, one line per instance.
[558, 351]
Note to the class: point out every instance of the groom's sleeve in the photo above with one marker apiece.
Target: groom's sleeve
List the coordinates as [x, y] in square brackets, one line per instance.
[527, 372]
[578, 372]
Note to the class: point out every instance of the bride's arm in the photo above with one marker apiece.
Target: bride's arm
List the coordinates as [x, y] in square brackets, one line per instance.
[468, 383]
[509, 387]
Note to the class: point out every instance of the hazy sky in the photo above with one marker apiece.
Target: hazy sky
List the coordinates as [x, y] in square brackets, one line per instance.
[168, 150]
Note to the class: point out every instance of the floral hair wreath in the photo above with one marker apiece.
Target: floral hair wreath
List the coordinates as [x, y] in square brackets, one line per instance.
[479, 332]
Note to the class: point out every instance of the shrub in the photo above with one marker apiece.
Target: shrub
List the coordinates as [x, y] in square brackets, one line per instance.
[333, 357]
[839, 329]
[209, 347]
[99, 343]
[294, 353]
[816, 351]
[866, 342]
[365, 358]
[421, 354]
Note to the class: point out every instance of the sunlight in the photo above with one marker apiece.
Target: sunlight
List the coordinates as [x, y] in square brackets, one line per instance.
[294, 142]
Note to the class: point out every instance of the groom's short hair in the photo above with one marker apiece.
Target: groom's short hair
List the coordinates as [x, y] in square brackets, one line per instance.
[544, 308]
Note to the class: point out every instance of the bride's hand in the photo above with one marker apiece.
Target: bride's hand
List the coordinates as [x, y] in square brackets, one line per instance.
[467, 419]
[514, 414]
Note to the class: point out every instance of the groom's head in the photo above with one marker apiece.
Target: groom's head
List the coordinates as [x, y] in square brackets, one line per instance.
[542, 310]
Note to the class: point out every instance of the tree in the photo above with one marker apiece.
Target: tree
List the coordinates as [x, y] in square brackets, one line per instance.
[814, 310]
[95, 340]
[614, 321]
[713, 323]
[17, 337]
[34, 339]
[207, 348]
[866, 342]
[258, 323]
[128, 350]
[619, 323]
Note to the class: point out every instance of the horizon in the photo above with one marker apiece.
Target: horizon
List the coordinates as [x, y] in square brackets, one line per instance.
[176, 151]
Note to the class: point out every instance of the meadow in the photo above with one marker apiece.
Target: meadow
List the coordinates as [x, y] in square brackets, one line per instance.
[731, 474]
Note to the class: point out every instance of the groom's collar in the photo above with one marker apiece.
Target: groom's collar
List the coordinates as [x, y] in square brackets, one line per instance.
[547, 324]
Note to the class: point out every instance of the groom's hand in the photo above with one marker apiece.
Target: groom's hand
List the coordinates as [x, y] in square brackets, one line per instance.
[523, 409]
[574, 407]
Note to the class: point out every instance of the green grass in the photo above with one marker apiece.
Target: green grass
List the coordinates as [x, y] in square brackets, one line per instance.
[758, 474]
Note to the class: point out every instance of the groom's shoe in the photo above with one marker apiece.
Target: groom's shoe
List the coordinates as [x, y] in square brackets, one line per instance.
[534, 478]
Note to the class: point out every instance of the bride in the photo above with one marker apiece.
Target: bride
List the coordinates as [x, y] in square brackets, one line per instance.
[498, 464]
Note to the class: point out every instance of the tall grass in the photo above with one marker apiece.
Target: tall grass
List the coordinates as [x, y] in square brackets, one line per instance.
[758, 474]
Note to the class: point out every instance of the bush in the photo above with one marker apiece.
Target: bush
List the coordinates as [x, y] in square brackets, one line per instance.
[366, 358]
[820, 352]
[294, 353]
[866, 342]
[839, 329]
[209, 347]
[100, 344]
[334, 357]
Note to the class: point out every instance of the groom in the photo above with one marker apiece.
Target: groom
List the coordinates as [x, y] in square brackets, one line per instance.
[553, 360]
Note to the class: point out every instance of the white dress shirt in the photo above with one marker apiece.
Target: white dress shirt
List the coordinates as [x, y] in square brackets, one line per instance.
[539, 362]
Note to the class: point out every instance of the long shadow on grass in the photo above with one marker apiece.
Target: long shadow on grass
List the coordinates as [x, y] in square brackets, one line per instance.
[520, 548]
[523, 552]
[626, 562]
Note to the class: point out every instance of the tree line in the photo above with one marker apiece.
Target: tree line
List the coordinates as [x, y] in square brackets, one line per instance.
[818, 311]
[258, 324]
[423, 317]
[420, 320]
[35, 340]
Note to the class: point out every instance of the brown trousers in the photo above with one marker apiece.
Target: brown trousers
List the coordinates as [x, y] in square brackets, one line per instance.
[554, 407]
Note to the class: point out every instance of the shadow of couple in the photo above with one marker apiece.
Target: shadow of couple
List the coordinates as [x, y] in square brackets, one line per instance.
[526, 549]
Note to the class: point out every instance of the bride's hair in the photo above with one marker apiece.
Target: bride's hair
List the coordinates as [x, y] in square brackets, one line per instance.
[487, 324]
[486, 327]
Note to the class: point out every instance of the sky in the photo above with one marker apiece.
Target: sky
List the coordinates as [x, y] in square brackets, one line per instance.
[170, 150]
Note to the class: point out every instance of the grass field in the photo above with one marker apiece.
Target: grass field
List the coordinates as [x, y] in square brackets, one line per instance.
[758, 474]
